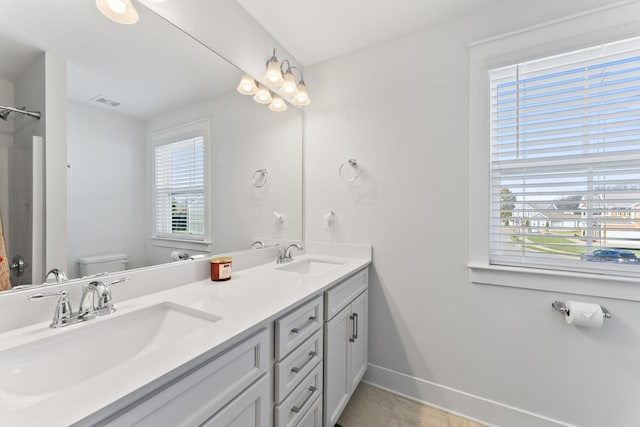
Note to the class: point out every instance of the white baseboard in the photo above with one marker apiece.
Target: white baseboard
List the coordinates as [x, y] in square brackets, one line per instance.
[457, 402]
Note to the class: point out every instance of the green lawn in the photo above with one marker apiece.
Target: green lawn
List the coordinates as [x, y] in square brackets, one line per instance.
[548, 240]
[555, 243]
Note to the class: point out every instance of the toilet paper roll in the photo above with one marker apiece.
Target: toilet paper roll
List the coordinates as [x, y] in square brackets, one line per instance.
[585, 314]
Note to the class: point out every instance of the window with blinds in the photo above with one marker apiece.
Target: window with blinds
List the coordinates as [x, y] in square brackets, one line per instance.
[565, 161]
[180, 189]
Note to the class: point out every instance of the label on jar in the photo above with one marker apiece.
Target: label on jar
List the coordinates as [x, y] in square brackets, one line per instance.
[224, 271]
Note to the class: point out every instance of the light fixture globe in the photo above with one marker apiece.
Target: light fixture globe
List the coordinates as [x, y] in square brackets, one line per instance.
[277, 104]
[273, 76]
[289, 87]
[247, 85]
[301, 98]
[120, 11]
[263, 95]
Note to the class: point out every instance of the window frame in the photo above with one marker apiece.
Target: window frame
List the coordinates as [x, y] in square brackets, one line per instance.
[199, 128]
[567, 34]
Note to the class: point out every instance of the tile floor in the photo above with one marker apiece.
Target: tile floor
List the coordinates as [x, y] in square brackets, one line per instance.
[373, 407]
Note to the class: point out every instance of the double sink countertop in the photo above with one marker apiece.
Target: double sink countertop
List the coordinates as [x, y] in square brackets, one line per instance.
[97, 367]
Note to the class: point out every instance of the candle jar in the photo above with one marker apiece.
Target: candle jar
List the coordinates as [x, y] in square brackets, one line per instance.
[220, 269]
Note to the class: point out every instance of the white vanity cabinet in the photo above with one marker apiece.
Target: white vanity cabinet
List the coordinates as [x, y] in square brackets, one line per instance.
[234, 388]
[251, 409]
[298, 376]
[345, 343]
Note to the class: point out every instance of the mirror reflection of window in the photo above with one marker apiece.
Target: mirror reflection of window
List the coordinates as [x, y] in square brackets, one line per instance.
[180, 194]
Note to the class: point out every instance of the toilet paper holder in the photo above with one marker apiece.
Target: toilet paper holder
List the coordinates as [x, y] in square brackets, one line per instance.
[562, 308]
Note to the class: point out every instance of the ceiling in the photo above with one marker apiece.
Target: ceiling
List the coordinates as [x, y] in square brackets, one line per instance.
[128, 64]
[314, 31]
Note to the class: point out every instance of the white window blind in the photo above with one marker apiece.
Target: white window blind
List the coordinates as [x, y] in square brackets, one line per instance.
[565, 161]
[180, 189]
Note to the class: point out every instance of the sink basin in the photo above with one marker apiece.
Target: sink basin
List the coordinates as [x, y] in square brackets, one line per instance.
[310, 266]
[86, 350]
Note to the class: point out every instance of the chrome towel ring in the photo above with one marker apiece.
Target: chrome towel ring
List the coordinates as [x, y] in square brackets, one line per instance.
[259, 178]
[342, 171]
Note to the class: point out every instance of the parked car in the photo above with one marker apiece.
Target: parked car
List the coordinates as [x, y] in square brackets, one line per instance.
[611, 255]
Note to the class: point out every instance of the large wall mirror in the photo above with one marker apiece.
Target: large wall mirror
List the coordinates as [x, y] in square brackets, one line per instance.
[164, 157]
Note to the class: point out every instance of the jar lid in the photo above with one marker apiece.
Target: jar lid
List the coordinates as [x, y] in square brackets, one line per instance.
[220, 260]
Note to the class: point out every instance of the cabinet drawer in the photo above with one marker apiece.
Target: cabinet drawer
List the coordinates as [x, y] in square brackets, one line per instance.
[342, 294]
[298, 325]
[251, 409]
[293, 368]
[313, 417]
[294, 407]
[195, 397]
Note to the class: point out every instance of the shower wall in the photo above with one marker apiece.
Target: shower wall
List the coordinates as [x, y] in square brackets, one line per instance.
[6, 141]
[20, 212]
[28, 91]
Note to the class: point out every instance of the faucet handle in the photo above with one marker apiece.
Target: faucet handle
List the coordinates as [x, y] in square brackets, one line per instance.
[119, 280]
[91, 276]
[63, 313]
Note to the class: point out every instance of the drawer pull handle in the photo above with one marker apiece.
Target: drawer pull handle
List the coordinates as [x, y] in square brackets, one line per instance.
[297, 409]
[309, 321]
[354, 334]
[297, 369]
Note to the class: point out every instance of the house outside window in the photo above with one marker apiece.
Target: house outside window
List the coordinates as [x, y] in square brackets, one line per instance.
[533, 185]
[565, 148]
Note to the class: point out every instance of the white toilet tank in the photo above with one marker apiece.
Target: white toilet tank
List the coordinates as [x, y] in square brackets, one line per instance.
[107, 263]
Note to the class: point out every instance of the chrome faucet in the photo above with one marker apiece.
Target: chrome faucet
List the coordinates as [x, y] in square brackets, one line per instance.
[59, 275]
[284, 255]
[96, 301]
[258, 244]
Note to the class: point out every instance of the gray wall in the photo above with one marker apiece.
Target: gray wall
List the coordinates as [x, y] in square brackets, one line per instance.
[106, 186]
[494, 353]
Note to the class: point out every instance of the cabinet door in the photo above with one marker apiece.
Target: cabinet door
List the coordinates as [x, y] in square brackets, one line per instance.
[337, 354]
[359, 317]
[252, 408]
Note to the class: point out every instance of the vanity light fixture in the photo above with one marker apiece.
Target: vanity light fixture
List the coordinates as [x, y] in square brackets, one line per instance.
[263, 95]
[120, 11]
[247, 85]
[301, 98]
[280, 76]
[273, 76]
[277, 104]
[289, 87]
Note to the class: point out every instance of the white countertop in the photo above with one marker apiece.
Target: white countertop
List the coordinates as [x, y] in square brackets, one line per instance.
[252, 299]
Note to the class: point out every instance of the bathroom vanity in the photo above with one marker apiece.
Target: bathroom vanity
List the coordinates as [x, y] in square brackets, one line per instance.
[277, 345]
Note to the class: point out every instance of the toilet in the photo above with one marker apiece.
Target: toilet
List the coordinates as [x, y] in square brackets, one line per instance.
[106, 263]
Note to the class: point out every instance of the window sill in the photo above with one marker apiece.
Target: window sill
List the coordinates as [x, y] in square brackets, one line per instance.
[600, 285]
[195, 245]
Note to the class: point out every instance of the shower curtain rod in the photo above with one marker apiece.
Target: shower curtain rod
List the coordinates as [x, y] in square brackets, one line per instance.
[35, 114]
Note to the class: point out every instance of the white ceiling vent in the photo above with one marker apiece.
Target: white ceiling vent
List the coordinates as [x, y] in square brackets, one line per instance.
[105, 101]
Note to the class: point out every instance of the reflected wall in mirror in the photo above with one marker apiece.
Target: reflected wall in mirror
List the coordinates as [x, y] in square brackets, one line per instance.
[165, 85]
